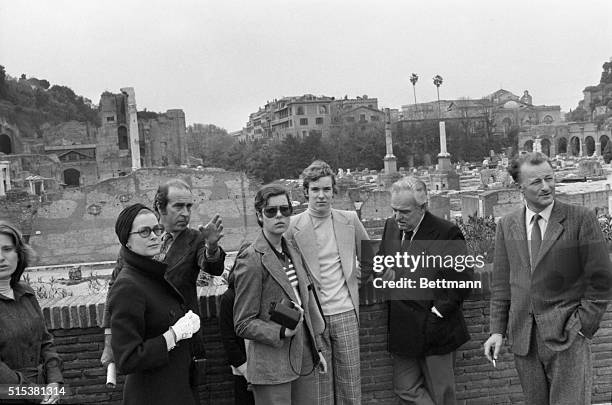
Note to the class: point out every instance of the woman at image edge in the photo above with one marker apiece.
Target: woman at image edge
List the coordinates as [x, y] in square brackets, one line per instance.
[26, 346]
[281, 362]
[150, 329]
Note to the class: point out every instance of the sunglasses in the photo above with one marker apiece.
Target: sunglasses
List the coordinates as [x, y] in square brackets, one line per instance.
[145, 231]
[285, 210]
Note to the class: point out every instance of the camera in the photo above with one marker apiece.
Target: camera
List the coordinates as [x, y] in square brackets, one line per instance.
[284, 313]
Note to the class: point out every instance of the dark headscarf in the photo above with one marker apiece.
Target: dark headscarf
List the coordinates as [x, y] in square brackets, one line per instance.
[123, 226]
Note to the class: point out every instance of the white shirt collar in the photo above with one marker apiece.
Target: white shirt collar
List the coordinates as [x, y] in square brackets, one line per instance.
[545, 213]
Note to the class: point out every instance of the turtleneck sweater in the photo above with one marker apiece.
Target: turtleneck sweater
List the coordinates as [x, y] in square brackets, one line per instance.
[335, 297]
[5, 288]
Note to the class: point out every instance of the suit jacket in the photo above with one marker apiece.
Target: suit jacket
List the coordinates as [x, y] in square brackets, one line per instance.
[570, 285]
[415, 331]
[349, 233]
[260, 281]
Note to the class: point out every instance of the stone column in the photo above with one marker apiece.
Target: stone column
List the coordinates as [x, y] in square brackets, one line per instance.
[5, 177]
[390, 159]
[597, 149]
[444, 162]
[132, 119]
[580, 151]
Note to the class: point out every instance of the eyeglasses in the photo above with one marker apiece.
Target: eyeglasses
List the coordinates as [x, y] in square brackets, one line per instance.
[285, 210]
[145, 231]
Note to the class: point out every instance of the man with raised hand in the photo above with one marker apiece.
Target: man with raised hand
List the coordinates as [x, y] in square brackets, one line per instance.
[186, 251]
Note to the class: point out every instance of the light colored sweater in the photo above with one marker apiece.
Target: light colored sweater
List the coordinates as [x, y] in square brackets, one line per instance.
[335, 297]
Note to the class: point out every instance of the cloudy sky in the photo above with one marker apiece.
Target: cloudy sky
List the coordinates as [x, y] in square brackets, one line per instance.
[220, 60]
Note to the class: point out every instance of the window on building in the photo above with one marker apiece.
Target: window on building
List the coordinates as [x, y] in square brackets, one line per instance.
[322, 109]
[110, 119]
[373, 118]
[303, 121]
[362, 118]
[319, 121]
[300, 110]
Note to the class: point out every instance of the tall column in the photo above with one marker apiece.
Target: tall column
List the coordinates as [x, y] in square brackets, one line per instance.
[580, 149]
[390, 159]
[597, 149]
[444, 162]
[132, 119]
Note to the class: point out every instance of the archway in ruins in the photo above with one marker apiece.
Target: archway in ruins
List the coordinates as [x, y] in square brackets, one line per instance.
[562, 145]
[589, 146]
[574, 146]
[603, 140]
[72, 177]
[545, 146]
[5, 144]
[528, 146]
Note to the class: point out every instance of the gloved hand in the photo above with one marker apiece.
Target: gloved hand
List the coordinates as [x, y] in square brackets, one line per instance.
[185, 327]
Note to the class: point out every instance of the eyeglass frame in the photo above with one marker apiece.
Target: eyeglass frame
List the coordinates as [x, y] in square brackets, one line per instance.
[278, 208]
[150, 230]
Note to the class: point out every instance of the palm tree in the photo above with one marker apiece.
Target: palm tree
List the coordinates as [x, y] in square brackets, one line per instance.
[437, 81]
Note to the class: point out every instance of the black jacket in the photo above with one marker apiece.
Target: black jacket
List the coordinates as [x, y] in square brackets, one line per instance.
[414, 331]
[143, 305]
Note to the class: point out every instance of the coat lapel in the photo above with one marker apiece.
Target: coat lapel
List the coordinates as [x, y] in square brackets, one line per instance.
[179, 249]
[553, 231]
[273, 265]
[344, 233]
[305, 239]
[518, 228]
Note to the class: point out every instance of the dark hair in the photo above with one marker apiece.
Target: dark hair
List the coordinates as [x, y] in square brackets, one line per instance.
[25, 254]
[264, 194]
[161, 197]
[314, 172]
[532, 158]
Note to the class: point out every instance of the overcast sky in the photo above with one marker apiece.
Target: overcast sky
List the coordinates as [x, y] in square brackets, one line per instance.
[221, 60]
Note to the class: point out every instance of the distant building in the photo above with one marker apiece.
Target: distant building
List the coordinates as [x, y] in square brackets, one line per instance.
[80, 153]
[301, 116]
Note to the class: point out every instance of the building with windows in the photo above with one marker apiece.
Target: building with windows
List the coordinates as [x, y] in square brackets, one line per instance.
[301, 116]
[80, 153]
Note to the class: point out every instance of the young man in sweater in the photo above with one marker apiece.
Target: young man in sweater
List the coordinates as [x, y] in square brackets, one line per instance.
[330, 242]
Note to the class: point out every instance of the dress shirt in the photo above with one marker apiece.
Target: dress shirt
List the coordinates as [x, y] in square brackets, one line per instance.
[545, 216]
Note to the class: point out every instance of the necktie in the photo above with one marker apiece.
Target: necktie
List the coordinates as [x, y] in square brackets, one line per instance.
[536, 239]
[167, 238]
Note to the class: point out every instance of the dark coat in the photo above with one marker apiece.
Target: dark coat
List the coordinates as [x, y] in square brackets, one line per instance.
[233, 345]
[567, 291]
[26, 346]
[414, 331]
[143, 305]
[184, 259]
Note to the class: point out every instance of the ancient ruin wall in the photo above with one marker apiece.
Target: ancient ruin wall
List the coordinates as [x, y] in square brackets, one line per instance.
[78, 225]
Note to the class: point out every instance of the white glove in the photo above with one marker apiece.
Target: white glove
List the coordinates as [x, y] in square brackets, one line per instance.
[185, 327]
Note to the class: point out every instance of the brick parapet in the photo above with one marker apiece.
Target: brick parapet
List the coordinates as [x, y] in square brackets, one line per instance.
[78, 339]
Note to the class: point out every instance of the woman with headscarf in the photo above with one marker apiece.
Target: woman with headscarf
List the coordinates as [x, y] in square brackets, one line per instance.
[149, 319]
[26, 346]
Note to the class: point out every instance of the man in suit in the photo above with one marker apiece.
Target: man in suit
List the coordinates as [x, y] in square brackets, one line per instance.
[184, 250]
[330, 241]
[550, 287]
[425, 327]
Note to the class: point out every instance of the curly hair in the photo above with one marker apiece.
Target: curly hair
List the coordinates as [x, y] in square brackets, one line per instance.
[25, 254]
[532, 158]
[314, 172]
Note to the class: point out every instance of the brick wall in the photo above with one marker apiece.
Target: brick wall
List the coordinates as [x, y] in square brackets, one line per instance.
[73, 321]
